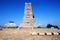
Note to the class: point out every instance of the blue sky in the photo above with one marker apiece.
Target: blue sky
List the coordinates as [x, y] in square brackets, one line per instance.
[45, 11]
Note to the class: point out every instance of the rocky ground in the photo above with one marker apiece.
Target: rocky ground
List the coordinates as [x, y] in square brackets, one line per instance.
[24, 34]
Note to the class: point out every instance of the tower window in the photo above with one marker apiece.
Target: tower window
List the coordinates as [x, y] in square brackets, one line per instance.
[27, 22]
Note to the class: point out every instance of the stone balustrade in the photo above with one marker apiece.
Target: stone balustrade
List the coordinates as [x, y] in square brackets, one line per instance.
[45, 33]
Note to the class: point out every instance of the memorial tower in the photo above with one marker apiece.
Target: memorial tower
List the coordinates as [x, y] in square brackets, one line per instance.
[28, 19]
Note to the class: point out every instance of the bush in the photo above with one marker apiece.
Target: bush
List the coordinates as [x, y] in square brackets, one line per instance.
[49, 26]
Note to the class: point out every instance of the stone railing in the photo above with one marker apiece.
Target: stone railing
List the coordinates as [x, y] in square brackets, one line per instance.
[45, 33]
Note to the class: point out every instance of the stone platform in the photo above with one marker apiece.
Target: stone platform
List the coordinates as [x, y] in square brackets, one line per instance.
[25, 34]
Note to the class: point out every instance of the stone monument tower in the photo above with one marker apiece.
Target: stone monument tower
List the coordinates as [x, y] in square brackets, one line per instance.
[28, 20]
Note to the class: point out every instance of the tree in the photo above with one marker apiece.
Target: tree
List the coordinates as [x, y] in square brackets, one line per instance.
[56, 26]
[49, 25]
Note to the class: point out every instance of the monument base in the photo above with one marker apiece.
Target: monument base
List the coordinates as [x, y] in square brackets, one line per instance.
[27, 27]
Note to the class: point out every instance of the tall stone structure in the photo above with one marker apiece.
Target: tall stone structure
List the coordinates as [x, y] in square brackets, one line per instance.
[28, 20]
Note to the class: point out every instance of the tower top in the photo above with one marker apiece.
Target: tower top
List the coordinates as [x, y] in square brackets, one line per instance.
[28, 9]
[27, 3]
